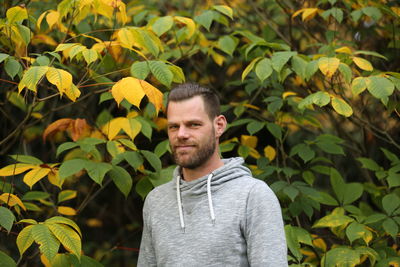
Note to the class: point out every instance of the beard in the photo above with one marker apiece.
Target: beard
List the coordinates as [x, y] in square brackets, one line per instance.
[194, 160]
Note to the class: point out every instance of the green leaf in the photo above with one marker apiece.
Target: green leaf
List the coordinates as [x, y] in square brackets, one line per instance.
[291, 191]
[227, 44]
[25, 33]
[121, 179]
[143, 187]
[346, 72]
[393, 179]
[35, 195]
[146, 129]
[335, 12]
[90, 55]
[390, 203]
[179, 76]
[341, 256]
[161, 71]
[205, 19]
[85, 262]
[7, 218]
[356, 230]
[299, 66]
[65, 146]
[380, 87]
[223, 9]
[390, 156]
[254, 126]
[140, 70]
[48, 244]
[70, 167]
[3, 57]
[63, 220]
[6, 261]
[152, 159]
[369, 164]
[341, 107]
[275, 130]
[359, 85]
[321, 98]
[295, 236]
[311, 69]
[27, 159]
[67, 237]
[330, 147]
[134, 159]
[31, 77]
[375, 218]
[162, 25]
[12, 67]
[162, 148]
[150, 41]
[333, 220]
[24, 239]
[391, 227]
[279, 59]
[97, 170]
[66, 195]
[264, 69]
[372, 12]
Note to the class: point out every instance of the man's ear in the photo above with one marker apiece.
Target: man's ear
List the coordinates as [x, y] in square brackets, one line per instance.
[219, 125]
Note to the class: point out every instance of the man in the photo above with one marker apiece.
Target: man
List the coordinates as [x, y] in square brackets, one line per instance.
[213, 213]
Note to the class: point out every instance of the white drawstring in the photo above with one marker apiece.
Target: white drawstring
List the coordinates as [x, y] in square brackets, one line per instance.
[210, 205]
[178, 197]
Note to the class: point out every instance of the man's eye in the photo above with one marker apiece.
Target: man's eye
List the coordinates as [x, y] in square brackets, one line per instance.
[195, 125]
[172, 127]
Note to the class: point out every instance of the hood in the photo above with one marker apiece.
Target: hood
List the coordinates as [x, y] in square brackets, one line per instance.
[208, 184]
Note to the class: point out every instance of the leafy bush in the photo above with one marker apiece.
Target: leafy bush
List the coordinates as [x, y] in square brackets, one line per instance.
[311, 91]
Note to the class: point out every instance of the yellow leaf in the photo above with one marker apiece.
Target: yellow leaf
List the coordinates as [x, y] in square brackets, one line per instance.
[320, 243]
[287, 94]
[60, 78]
[344, 50]
[131, 127]
[129, 88]
[31, 77]
[52, 18]
[328, 65]
[24, 239]
[270, 153]
[113, 127]
[12, 200]
[126, 38]
[66, 210]
[248, 140]
[190, 25]
[45, 261]
[254, 153]
[309, 13]
[41, 17]
[16, 14]
[218, 58]
[54, 179]
[363, 63]
[72, 92]
[396, 10]
[93, 222]
[34, 175]
[154, 95]
[90, 55]
[15, 169]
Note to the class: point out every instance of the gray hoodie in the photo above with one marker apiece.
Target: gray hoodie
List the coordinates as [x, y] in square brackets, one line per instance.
[226, 218]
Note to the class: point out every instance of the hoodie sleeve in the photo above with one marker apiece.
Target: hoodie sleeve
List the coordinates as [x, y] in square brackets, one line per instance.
[147, 256]
[264, 231]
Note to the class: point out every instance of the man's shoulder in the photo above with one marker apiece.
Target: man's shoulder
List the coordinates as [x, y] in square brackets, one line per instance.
[160, 191]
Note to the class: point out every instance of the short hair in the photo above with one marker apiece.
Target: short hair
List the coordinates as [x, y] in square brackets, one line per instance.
[188, 90]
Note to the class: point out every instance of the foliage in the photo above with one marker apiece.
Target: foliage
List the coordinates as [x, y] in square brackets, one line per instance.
[312, 101]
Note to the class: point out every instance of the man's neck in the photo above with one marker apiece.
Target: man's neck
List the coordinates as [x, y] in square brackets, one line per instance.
[208, 167]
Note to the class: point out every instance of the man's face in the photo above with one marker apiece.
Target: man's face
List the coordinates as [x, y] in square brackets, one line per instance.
[191, 133]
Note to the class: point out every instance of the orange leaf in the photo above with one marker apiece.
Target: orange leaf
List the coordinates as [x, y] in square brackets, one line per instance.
[79, 129]
[155, 96]
[57, 126]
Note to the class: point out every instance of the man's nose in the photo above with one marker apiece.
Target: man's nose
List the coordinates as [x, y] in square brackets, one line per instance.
[182, 132]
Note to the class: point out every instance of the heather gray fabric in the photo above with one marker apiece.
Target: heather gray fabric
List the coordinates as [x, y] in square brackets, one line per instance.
[248, 227]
